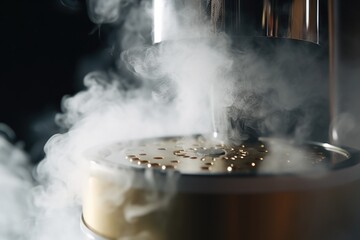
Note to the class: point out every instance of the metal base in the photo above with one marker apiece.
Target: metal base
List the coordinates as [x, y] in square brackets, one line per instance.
[89, 234]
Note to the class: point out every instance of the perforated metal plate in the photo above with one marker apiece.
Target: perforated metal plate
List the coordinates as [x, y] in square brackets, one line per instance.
[205, 155]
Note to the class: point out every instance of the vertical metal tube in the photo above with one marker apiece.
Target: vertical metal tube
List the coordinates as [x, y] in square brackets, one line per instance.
[293, 19]
[344, 72]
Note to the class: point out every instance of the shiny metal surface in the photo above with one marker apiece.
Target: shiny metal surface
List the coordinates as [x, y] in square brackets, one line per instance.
[215, 205]
[329, 213]
[89, 234]
[294, 19]
[344, 58]
[205, 155]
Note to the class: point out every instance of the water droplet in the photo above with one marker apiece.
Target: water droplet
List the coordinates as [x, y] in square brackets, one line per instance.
[134, 159]
[154, 165]
[168, 166]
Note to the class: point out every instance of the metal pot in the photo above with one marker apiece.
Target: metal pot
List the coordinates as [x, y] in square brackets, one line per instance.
[200, 188]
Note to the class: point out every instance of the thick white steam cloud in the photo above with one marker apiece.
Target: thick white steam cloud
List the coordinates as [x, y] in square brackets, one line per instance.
[173, 99]
[15, 184]
[178, 85]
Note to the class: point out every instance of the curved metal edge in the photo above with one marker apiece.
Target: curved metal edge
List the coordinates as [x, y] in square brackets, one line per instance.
[263, 184]
[90, 235]
[341, 174]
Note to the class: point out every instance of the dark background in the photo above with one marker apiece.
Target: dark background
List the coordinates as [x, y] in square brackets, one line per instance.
[46, 48]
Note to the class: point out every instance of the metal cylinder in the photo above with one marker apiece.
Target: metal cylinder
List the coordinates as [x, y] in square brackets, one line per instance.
[218, 195]
[344, 72]
[293, 19]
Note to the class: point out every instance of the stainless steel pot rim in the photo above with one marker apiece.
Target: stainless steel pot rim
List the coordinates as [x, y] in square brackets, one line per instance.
[263, 184]
[235, 184]
[99, 155]
[343, 173]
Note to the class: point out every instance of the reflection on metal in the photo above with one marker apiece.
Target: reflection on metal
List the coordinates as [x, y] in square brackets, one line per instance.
[193, 154]
[249, 206]
[158, 6]
[294, 19]
[217, 13]
[89, 234]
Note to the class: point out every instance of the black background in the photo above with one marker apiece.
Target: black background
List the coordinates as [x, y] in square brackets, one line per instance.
[46, 48]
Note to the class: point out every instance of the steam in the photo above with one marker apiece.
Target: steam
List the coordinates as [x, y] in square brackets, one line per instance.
[15, 186]
[177, 85]
[172, 99]
[105, 11]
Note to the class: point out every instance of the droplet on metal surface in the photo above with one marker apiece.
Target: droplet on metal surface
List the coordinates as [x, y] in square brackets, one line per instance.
[154, 165]
[168, 166]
